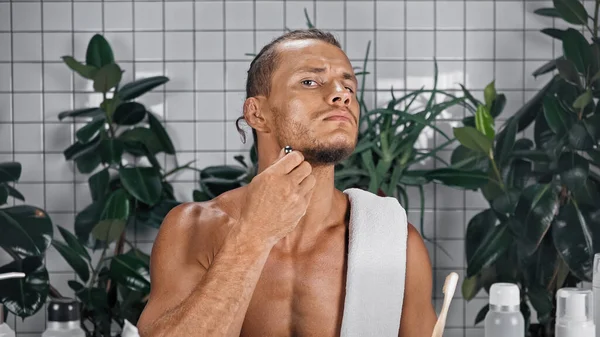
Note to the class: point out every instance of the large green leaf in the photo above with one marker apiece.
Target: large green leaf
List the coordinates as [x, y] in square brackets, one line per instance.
[535, 211]
[479, 227]
[154, 216]
[519, 174]
[107, 77]
[494, 245]
[550, 12]
[577, 49]
[26, 296]
[78, 149]
[554, 32]
[144, 183]
[161, 134]
[571, 11]
[505, 142]
[484, 122]
[86, 132]
[129, 113]
[88, 162]
[131, 272]
[86, 220]
[574, 169]
[473, 139]
[545, 68]
[541, 300]
[10, 171]
[73, 243]
[99, 53]
[98, 184]
[573, 241]
[84, 112]
[111, 150]
[498, 105]
[73, 259]
[113, 217]
[581, 135]
[567, 70]
[467, 179]
[506, 203]
[541, 268]
[557, 118]
[467, 159]
[83, 70]
[141, 135]
[25, 229]
[137, 88]
[527, 113]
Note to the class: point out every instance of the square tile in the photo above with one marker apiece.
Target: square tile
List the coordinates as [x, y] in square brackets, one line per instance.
[57, 77]
[507, 46]
[179, 15]
[27, 107]
[210, 106]
[148, 69]
[450, 224]
[28, 137]
[27, 16]
[57, 168]
[234, 102]
[269, 15]
[122, 45]
[450, 14]
[33, 193]
[480, 45]
[449, 197]
[419, 45]
[455, 317]
[538, 46]
[209, 15]
[509, 75]
[88, 16]
[179, 46]
[360, 15]
[390, 74]
[475, 199]
[54, 103]
[238, 44]
[294, 14]
[418, 74]
[206, 159]
[426, 229]
[183, 191]
[480, 14]
[182, 134]
[509, 14]
[479, 74]
[82, 198]
[183, 158]
[121, 15]
[5, 108]
[57, 16]
[265, 37]
[449, 45]
[57, 45]
[419, 15]
[27, 77]
[239, 15]
[6, 138]
[210, 45]
[5, 77]
[330, 15]
[148, 15]
[210, 136]
[181, 75]
[27, 47]
[535, 82]
[61, 283]
[450, 73]
[390, 44]
[148, 46]
[390, 14]
[32, 167]
[154, 102]
[534, 21]
[54, 261]
[5, 22]
[357, 42]
[6, 51]
[234, 140]
[236, 74]
[210, 75]
[180, 106]
[57, 137]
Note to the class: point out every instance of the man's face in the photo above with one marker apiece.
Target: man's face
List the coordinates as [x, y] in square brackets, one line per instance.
[313, 103]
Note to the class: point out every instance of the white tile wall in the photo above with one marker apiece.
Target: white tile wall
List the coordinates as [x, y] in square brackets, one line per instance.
[201, 46]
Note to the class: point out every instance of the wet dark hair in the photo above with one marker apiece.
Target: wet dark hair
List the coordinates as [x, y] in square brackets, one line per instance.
[264, 64]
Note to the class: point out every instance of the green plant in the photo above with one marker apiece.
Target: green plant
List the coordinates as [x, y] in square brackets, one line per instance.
[542, 226]
[128, 186]
[26, 234]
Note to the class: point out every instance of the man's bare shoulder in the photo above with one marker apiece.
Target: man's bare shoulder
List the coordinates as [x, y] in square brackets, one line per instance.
[199, 227]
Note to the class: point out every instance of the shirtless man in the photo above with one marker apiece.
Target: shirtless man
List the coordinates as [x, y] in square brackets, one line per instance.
[269, 258]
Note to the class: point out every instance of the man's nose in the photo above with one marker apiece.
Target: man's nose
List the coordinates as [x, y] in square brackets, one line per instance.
[340, 96]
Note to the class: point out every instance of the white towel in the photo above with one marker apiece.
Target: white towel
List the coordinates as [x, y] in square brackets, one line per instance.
[376, 265]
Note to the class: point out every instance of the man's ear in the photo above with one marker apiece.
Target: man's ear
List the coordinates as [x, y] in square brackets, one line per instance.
[253, 114]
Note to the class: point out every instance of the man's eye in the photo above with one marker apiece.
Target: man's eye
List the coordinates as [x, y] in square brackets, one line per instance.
[351, 90]
[308, 82]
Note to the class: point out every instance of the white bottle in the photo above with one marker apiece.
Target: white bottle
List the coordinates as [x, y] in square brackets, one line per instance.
[63, 319]
[504, 318]
[5, 330]
[574, 313]
[596, 292]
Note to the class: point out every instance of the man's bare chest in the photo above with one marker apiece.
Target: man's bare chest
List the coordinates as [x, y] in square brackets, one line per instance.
[299, 295]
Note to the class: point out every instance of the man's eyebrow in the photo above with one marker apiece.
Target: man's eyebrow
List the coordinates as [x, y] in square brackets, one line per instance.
[317, 70]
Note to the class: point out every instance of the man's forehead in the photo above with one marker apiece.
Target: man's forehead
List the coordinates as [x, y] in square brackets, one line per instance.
[302, 54]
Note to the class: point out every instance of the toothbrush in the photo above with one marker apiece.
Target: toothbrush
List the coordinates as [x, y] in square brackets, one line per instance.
[449, 288]
[11, 275]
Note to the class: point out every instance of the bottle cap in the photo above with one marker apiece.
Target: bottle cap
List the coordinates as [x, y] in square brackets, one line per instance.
[596, 270]
[574, 305]
[63, 310]
[505, 294]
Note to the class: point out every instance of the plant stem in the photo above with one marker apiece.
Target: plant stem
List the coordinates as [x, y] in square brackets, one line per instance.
[498, 175]
[118, 250]
[55, 293]
[97, 270]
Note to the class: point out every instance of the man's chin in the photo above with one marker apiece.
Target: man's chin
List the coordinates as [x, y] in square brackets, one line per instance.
[327, 156]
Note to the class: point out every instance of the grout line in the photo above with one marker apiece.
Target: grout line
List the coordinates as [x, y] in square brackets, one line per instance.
[195, 95]
[224, 129]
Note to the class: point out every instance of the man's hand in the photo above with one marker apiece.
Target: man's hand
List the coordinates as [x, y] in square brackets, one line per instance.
[277, 198]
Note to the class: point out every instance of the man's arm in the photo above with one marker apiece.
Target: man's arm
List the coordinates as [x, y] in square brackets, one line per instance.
[187, 300]
[418, 313]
